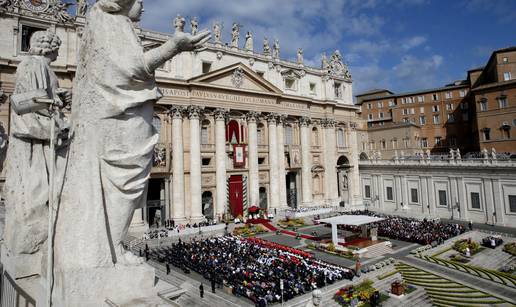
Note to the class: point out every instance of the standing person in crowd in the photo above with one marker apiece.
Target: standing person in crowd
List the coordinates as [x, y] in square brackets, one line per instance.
[358, 266]
[470, 225]
[168, 268]
[201, 291]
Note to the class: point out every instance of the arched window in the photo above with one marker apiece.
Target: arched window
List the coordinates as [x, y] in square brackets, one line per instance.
[315, 136]
[341, 140]
[289, 135]
[233, 132]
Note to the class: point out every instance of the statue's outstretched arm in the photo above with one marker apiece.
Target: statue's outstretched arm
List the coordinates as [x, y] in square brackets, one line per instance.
[180, 42]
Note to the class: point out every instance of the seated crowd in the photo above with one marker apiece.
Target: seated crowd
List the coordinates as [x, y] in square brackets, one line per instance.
[252, 268]
[410, 229]
[170, 226]
[307, 209]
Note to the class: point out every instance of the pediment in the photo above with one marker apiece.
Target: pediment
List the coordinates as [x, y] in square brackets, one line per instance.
[237, 76]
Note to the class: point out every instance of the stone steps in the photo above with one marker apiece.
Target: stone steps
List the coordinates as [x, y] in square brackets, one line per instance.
[378, 250]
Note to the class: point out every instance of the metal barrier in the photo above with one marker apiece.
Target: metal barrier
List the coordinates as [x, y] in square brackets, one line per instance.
[12, 295]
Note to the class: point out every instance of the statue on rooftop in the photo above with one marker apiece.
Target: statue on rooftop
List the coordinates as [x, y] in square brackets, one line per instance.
[217, 33]
[235, 33]
[195, 25]
[276, 51]
[266, 47]
[248, 42]
[179, 23]
[82, 7]
[300, 56]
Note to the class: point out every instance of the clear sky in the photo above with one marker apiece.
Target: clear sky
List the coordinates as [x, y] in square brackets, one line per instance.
[401, 45]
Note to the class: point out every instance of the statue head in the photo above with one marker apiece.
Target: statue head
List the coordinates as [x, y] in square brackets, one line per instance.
[130, 8]
[45, 43]
[316, 297]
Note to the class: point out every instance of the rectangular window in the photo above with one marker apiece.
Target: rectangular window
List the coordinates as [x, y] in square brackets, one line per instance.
[438, 141]
[403, 100]
[422, 120]
[442, 198]
[453, 141]
[506, 76]
[448, 95]
[206, 67]
[394, 144]
[367, 191]
[462, 93]
[435, 108]
[483, 105]
[512, 203]
[390, 196]
[369, 106]
[412, 111]
[487, 134]
[435, 97]
[505, 59]
[424, 142]
[422, 110]
[337, 88]
[449, 106]
[290, 83]
[204, 136]
[312, 88]
[451, 118]
[405, 120]
[475, 200]
[414, 196]
[502, 101]
[421, 99]
[380, 104]
[381, 115]
[391, 103]
[383, 144]
[370, 116]
[436, 119]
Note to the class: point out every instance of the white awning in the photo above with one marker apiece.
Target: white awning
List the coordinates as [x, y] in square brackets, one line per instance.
[352, 220]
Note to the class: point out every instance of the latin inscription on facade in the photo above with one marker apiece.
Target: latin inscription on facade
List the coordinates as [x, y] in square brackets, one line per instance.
[174, 92]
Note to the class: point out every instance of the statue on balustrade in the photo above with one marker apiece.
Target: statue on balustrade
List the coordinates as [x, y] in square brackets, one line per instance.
[111, 155]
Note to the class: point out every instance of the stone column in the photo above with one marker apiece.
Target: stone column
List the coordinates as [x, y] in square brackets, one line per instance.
[220, 160]
[273, 161]
[254, 195]
[306, 161]
[330, 162]
[194, 114]
[281, 161]
[354, 175]
[167, 213]
[178, 171]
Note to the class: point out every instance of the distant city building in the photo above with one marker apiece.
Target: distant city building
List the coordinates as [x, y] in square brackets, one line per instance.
[469, 115]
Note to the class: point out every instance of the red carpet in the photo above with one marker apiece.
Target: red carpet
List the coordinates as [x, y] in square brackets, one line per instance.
[269, 226]
[353, 242]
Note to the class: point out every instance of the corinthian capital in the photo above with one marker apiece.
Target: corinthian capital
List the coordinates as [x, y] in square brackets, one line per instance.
[194, 112]
[272, 118]
[282, 118]
[252, 116]
[177, 112]
[328, 123]
[221, 114]
[305, 121]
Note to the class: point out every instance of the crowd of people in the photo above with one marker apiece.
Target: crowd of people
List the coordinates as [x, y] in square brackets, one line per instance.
[307, 209]
[410, 229]
[170, 227]
[251, 268]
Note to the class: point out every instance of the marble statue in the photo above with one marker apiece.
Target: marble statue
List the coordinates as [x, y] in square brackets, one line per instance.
[82, 7]
[248, 41]
[299, 56]
[337, 67]
[110, 157]
[235, 33]
[195, 25]
[324, 62]
[26, 188]
[266, 47]
[179, 23]
[60, 11]
[217, 33]
[276, 51]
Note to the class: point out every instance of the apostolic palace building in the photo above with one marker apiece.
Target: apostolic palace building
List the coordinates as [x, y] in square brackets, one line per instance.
[240, 126]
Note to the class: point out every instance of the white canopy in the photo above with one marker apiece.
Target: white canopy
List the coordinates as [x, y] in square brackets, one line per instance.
[353, 220]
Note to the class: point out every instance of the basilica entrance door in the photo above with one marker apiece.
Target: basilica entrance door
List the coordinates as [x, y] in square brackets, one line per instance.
[236, 197]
